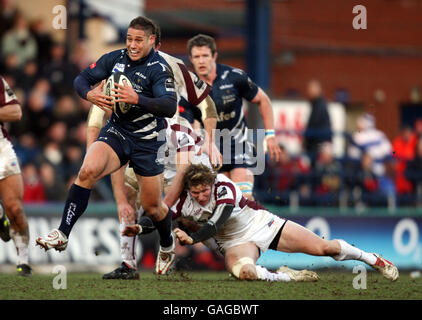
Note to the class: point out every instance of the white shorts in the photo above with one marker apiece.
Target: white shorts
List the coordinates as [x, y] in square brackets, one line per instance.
[9, 164]
[257, 226]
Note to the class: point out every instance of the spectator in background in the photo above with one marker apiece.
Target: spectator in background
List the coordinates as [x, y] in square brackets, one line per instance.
[37, 115]
[8, 13]
[281, 178]
[68, 111]
[365, 183]
[404, 147]
[53, 184]
[29, 76]
[19, 42]
[318, 127]
[27, 149]
[33, 188]
[59, 72]
[368, 139]
[44, 41]
[413, 172]
[327, 178]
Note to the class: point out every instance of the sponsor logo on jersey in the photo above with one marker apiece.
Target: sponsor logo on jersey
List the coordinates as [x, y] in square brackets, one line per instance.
[92, 65]
[270, 223]
[119, 67]
[222, 192]
[140, 74]
[170, 85]
[226, 86]
[224, 75]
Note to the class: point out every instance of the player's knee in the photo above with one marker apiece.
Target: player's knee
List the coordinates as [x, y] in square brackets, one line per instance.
[153, 212]
[14, 210]
[248, 272]
[328, 249]
[87, 174]
[244, 269]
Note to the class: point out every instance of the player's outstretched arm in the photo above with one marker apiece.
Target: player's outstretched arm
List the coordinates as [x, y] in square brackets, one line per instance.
[266, 111]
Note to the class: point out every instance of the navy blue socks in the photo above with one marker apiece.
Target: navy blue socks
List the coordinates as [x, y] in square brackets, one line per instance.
[164, 230]
[76, 204]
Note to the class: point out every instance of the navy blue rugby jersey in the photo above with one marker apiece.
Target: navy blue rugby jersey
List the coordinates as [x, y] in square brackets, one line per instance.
[228, 89]
[151, 77]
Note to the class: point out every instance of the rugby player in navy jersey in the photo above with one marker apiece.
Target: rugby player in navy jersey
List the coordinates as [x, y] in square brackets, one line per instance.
[229, 86]
[182, 146]
[131, 138]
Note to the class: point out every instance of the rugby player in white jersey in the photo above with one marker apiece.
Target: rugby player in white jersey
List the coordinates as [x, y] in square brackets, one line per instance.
[182, 146]
[242, 228]
[13, 223]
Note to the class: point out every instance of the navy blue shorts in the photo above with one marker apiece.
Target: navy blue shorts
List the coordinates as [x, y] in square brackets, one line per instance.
[241, 155]
[141, 154]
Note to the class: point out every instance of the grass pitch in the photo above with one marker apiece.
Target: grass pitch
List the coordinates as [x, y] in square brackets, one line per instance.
[334, 285]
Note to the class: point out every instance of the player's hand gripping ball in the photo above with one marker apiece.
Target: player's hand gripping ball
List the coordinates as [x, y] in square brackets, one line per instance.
[120, 107]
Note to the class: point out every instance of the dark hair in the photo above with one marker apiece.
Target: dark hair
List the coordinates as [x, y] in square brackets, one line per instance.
[157, 34]
[198, 174]
[145, 24]
[202, 40]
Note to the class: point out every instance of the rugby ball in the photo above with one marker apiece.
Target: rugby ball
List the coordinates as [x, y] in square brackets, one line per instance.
[122, 79]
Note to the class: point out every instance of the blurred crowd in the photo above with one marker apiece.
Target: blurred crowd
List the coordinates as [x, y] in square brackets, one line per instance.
[373, 172]
[50, 138]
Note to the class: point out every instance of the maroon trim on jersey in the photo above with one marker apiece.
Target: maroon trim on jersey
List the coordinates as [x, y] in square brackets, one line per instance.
[181, 128]
[231, 187]
[185, 149]
[179, 206]
[190, 87]
[251, 204]
[2, 104]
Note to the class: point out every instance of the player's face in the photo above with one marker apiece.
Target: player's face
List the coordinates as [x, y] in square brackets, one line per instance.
[138, 43]
[201, 193]
[203, 60]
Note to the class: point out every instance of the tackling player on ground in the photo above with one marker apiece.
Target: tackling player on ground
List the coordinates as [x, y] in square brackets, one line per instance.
[229, 87]
[242, 228]
[11, 184]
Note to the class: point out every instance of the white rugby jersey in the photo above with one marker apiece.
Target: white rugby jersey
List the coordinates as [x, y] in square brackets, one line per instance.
[187, 84]
[7, 96]
[223, 191]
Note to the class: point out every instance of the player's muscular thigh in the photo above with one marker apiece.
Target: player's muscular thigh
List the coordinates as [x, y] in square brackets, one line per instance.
[99, 161]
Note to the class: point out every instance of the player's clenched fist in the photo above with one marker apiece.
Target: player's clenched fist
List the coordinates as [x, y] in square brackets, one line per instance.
[183, 237]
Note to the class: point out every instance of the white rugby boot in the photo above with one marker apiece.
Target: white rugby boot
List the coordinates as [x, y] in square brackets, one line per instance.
[386, 268]
[299, 275]
[166, 258]
[55, 239]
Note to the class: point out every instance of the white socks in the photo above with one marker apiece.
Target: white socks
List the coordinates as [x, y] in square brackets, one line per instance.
[127, 247]
[21, 240]
[264, 274]
[349, 252]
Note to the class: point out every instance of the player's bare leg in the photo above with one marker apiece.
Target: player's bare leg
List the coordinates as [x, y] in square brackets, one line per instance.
[241, 263]
[296, 238]
[154, 207]
[11, 193]
[99, 161]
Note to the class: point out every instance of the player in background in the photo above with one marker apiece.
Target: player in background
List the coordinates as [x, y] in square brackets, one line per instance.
[131, 138]
[229, 87]
[11, 184]
[242, 228]
[182, 145]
